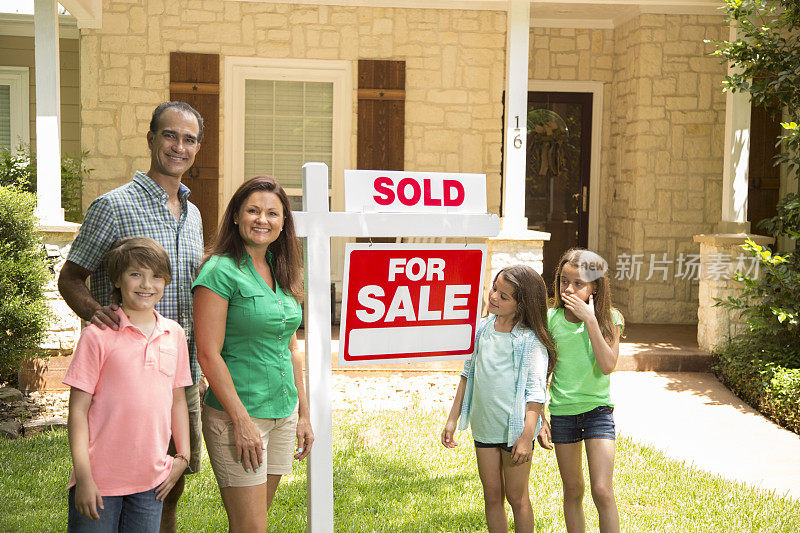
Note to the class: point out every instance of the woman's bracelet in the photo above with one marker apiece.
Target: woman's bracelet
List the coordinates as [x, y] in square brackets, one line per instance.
[181, 456]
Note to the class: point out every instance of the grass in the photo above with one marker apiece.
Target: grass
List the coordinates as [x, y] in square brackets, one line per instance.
[391, 474]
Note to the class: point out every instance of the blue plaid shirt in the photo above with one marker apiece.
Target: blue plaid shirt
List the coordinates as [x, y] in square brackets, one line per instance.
[530, 368]
[139, 208]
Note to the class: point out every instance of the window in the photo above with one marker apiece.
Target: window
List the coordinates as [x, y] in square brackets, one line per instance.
[14, 126]
[281, 113]
[286, 124]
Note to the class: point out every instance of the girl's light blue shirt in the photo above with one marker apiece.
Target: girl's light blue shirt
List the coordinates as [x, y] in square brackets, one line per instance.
[530, 371]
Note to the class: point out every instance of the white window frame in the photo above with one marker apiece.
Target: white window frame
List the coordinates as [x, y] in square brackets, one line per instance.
[596, 89]
[17, 78]
[239, 69]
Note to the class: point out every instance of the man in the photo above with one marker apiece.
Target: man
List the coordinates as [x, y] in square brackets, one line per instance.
[155, 204]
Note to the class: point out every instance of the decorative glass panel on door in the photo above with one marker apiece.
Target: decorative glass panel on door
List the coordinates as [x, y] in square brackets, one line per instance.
[557, 174]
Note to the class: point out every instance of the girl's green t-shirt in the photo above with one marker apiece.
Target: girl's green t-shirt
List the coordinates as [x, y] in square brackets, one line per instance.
[578, 384]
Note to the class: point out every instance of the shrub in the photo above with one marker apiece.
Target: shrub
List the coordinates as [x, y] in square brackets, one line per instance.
[24, 314]
[758, 375]
[19, 169]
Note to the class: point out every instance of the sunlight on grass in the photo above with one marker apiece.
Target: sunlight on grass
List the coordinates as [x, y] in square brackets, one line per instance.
[391, 474]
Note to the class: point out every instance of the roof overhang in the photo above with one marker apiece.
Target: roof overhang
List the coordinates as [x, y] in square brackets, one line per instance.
[88, 13]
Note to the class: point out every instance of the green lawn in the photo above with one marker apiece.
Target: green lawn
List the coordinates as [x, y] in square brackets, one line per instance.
[391, 474]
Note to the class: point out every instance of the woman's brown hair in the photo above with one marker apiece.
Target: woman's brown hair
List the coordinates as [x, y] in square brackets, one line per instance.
[530, 292]
[592, 269]
[286, 252]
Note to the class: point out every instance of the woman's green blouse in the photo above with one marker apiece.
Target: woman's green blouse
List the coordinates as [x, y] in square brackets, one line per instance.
[258, 328]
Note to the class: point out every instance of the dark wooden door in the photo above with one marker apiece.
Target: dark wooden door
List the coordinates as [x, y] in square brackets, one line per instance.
[763, 185]
[557, 174]
[194, 79]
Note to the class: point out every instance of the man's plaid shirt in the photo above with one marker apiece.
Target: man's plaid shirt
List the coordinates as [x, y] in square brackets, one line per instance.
[139, 208]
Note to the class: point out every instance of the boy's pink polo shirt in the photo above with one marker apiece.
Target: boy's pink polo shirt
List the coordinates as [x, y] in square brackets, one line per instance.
[131, 380]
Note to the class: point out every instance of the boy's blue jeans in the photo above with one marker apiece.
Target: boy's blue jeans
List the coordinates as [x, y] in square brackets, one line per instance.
[134, 513]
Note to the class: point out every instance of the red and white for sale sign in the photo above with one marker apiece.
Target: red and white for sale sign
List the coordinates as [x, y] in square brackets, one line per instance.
[410, 302]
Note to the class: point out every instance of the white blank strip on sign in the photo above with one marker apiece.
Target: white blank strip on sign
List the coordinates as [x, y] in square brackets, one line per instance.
[412, 339]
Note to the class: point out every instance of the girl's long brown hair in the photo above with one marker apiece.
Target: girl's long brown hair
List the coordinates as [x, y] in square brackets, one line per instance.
[286, 252]
[587, 261]
[530, 292]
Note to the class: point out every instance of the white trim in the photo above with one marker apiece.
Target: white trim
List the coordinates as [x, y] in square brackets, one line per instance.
[18, 79]
[239, 69]
[596, 88]
[17, 25]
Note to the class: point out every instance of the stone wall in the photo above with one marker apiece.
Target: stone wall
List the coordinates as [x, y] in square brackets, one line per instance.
[665, 172]
[16, 51]
[455, 68]
[721, 257]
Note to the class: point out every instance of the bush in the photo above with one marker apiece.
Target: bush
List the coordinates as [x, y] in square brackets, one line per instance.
[18, 169]
[760, 377]
[24, 314]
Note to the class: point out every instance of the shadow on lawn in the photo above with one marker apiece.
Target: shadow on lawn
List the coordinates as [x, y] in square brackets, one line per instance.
[707, 386]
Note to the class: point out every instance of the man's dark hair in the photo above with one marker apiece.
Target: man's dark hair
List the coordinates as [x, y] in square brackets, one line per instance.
[183, 106]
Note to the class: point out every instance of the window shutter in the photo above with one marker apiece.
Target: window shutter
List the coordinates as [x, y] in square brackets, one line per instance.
[381, 114]
[194, 79]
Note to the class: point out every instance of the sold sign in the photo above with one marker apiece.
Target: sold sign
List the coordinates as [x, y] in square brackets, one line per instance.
[410, 302]
[418, 192]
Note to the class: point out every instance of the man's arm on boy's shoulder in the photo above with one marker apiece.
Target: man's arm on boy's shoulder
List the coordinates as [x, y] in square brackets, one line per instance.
[72, 286]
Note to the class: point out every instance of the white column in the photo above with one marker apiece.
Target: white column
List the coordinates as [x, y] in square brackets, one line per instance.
[516, 116]
[736, 161]
[48, 112]
[318, 352]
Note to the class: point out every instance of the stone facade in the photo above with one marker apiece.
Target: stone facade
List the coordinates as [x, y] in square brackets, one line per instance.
[66, 326]
[454, 73]
[665, 168]
[716, 325]
[506, 251]
[663, 109]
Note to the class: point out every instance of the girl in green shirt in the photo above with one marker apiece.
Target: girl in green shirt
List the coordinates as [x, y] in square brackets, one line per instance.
[587, 330]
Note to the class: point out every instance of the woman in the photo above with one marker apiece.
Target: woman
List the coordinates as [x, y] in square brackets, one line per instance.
[246, 314]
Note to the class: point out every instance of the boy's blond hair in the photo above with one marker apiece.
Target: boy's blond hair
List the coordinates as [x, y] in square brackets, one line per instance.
[139, 251]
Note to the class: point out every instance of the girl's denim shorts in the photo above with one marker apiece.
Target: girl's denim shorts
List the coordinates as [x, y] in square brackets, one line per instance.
[595, 424]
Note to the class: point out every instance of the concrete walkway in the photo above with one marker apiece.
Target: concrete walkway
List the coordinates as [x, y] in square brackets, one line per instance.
[692, 417]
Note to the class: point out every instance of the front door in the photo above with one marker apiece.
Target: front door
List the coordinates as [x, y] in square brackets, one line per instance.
[557, 175]
[763, 183]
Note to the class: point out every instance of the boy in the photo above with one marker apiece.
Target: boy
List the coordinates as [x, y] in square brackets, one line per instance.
[126, 399]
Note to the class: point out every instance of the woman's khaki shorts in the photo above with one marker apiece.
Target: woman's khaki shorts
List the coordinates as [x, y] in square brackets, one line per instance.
[278, 434]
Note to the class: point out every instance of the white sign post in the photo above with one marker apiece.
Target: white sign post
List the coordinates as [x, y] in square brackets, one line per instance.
[318, 225]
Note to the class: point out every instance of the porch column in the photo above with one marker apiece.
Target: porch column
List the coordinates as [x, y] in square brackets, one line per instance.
[736, 161]
[48, 112]
[516, 116]
[515, 244]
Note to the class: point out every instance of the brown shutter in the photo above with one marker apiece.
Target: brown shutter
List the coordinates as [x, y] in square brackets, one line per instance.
[194, 79]
[381, 114]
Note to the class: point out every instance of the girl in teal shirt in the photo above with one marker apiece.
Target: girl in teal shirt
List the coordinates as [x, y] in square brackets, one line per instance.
[587, 330]
[502, 392]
